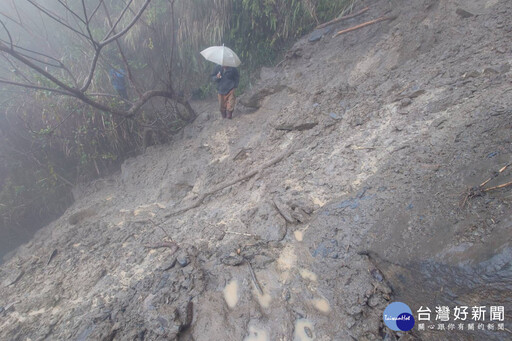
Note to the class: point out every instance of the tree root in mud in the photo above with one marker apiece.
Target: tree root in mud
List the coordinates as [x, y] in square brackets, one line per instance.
[227, 184]
[480, 190]
[371, 22]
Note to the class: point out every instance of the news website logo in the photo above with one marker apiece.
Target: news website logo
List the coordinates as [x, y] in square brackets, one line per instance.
[398, 317]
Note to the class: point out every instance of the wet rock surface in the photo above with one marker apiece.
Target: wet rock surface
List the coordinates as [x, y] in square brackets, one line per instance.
[378, 201]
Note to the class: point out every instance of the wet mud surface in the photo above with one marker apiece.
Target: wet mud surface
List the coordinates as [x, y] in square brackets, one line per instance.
[385, 136]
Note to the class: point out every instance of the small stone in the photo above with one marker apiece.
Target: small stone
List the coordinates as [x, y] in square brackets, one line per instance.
[168, 265]
[316, 36]
[349, 322]
[334, 116]
[299, 215]
[284, 210]
[305, 126]
[471, 74]
[463, 13]
[183, 260]
[490, 71]
[416, 93]
[308, 332]
[287, 295]
[405, 102]
[373, 301]
[377, 275]
[232, 259]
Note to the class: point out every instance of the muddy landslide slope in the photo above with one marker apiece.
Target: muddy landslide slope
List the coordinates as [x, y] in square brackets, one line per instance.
[347, 179]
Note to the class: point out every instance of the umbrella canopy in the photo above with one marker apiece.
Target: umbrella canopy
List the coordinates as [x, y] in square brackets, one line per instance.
[221, 55]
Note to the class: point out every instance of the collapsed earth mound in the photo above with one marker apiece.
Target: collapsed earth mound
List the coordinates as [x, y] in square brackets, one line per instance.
[354, 176]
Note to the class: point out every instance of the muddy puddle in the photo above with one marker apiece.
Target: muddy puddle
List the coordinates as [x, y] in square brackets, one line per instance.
[432, 284]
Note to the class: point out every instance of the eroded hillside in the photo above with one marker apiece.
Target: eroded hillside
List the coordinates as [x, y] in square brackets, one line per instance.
[341, 185]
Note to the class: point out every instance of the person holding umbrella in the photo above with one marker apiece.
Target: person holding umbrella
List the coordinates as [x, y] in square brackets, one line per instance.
[225, 75]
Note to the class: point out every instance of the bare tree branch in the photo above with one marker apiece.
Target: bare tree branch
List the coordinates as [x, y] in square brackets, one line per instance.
[65, 5]
[56, 18]
[17, 12]
[16, 69]
[106, 41]
[35, 87]
[36, 61]
[146, 97]
[113, 27]
[32, 57]
[121, 52]
[95, 10]
[88, 28]
[11, 19]
[8, 33]
[91, 69]
[35, 67]
[127, 28]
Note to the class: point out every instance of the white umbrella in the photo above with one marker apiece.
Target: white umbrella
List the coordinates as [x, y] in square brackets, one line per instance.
[221, 55]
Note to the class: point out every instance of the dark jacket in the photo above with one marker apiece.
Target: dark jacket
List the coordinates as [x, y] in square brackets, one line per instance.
[117, 79]
[229, 80]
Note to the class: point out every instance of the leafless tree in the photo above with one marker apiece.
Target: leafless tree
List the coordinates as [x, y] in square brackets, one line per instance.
[31, 64]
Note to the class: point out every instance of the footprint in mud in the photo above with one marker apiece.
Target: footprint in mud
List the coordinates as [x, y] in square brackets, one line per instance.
[231, 293]
[322, 305]
[304, 330]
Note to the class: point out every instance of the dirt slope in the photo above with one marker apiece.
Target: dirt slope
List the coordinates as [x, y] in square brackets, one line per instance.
[356, 157]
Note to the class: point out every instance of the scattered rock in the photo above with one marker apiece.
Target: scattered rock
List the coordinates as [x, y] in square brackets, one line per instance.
[438, 123]
[374, 301]
[299, 215]
[168, 264]
[286, 294]
[316, 36]
[296, 52]
[305, 126]
[471, 74]
[405, 102]
[463, 13]
[377, 275]
[284, 210]
[183, 260]
[490, 71]
[416, 93]
[334, 116]
[232, 259]
[286, 127]
[298, 127]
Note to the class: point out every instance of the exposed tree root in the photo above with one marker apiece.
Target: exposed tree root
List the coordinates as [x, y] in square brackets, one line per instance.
[227, 184]
[371, 22]
[480, 190]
